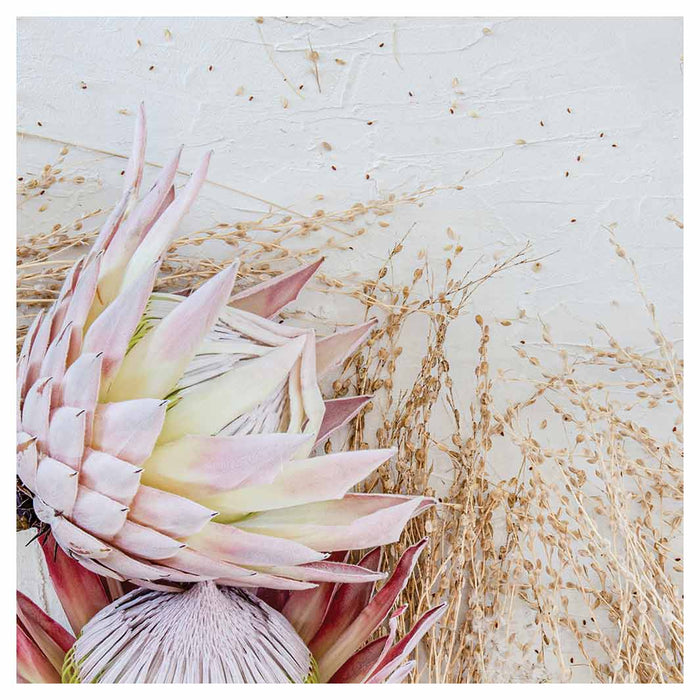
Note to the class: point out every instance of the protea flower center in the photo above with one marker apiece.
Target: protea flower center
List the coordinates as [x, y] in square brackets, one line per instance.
[207, 634]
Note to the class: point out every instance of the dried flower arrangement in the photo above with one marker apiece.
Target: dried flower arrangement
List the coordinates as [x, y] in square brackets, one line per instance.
[572, 565]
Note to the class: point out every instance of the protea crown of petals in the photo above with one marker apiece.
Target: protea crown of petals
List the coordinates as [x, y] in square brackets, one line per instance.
[168, 439]
[167, 442]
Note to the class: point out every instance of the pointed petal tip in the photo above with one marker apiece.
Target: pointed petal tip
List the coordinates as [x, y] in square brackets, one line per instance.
[204, 164]
[334, 349]
[268, 298]
[399, 611]
[231, 270]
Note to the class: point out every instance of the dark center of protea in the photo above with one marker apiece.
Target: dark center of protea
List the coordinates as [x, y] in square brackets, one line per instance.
[207, 634]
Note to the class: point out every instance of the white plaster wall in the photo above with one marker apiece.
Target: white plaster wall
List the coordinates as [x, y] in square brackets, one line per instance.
[564, 87]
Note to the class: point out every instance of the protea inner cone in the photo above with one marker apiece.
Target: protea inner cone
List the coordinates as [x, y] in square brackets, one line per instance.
[207, 634]
[166, 440]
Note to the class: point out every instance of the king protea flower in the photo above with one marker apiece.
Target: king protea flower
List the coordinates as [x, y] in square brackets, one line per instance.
[167, 440]
[210, 633]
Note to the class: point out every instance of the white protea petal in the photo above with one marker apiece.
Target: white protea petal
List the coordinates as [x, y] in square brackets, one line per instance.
[98, 514]
[205, 635]
[36, 410]
[67, 435]
[301, 482]
[134, 168]
[267, 298]
[159, 237]
[97, 568]
[57, 484]
[132, 569]
[356, 521]
[157, 361]
[110, 476]
[199, 466]
[27, 459]
[79, 306]
[234, 545]
[145, 542]
[106, 234]
[268, 582]
[171, 514]
[75, 541]
[193, 562]
[81, 383]
[312, 400]
[208, 408]
[23, 363]
[111, 332]
[339, 412]
[39, 346]
[326, 571]
[333, 349]
[54, 363]
[127, 237]
[128, 429]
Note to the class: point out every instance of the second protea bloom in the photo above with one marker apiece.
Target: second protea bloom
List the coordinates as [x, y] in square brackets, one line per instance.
[167, 440]
[218, 634]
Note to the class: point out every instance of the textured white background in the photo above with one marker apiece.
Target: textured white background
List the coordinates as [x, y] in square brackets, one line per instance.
[565, 87]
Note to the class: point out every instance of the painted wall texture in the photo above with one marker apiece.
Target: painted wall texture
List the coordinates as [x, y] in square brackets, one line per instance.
[554, 128]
